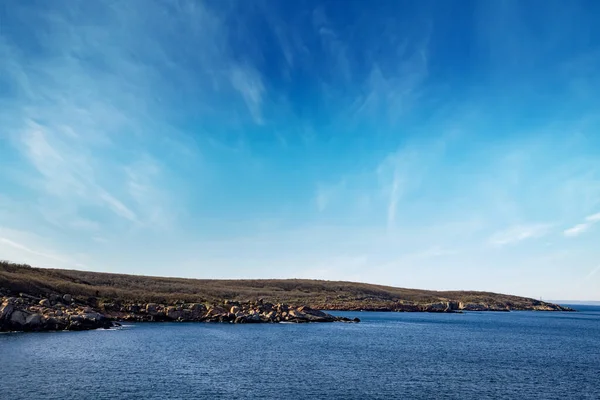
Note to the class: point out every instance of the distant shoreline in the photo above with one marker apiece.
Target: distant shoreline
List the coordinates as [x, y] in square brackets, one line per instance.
[576, 302]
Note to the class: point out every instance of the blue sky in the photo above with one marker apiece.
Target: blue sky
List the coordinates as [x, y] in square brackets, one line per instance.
[439, 145]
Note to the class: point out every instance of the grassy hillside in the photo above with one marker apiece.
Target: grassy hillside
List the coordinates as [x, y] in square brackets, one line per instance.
[19, 278]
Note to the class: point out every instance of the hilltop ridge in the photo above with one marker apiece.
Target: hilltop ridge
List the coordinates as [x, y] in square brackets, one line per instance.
[101, 288]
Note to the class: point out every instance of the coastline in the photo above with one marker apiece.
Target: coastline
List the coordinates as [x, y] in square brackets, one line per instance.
[29, 313]
[34, 299]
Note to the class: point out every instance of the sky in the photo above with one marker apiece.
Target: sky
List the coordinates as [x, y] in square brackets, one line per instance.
[424, 144]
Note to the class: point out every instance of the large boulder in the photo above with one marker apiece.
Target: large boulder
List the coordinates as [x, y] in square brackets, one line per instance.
[311, 311]
[88, 321]
[55, 298]
[247, 318]
[307, 314]
[197, 311]
[152, 309]
[217, 311]
[18, 319]
[56, 323]
[6, 309]
[33, 322]
[173, 313]
[67, 298]
[133, 308]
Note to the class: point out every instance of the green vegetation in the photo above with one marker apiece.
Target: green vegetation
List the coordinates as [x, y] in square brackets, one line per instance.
[20, 278]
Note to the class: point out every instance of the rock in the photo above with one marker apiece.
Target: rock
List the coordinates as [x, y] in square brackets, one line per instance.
[67, 298]
[29, 297]
[173, 313]
[56, 324]
[88, 321]
[18, 319]
[217, 311]
[45, 303]
[133, 308]
[270, 316]
[33, 322]
[152, 309]
[307, 314]
[6, 310]
[111, 307]
[248, 319]
[197, 311]
[54, 298]
[234, 310]
[310, 311]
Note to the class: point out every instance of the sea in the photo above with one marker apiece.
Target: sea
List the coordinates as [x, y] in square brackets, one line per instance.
[473, 355]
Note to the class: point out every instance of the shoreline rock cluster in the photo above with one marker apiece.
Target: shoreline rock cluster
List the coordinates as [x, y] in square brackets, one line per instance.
[63, 312]
[228, 311]
[57, 313]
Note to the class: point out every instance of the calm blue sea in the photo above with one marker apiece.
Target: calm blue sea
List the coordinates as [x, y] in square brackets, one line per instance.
[517, 355]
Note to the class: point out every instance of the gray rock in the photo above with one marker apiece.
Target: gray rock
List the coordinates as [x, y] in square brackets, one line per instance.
[56, 324]
[173, 313]
[93, 316]
[67, 298]
[6, 310]
[152, 309]
[217, 311]
[55, 298]
[33, 322]
[18, 318]
[45, 303]
[197, 310]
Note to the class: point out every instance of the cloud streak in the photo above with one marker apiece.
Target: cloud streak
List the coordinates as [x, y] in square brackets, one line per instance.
[583, 227]
[592, 273]
[519, 233]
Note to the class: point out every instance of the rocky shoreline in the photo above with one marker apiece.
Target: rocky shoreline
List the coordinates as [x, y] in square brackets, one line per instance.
[58, 312]
[64, 312]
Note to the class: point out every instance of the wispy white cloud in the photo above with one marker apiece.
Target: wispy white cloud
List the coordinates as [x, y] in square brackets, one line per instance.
[22, 247]
[519, 233]
[28, 247]
[576, 230]
[327, 193]
[583, 227]
[593, 218]
[397, 174]
[592, 273]
[249, 84]
[66, 174]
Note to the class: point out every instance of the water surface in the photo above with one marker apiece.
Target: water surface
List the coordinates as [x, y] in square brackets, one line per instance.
[475, 355]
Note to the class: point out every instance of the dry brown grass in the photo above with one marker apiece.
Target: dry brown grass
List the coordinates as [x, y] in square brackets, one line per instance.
[119, 287]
